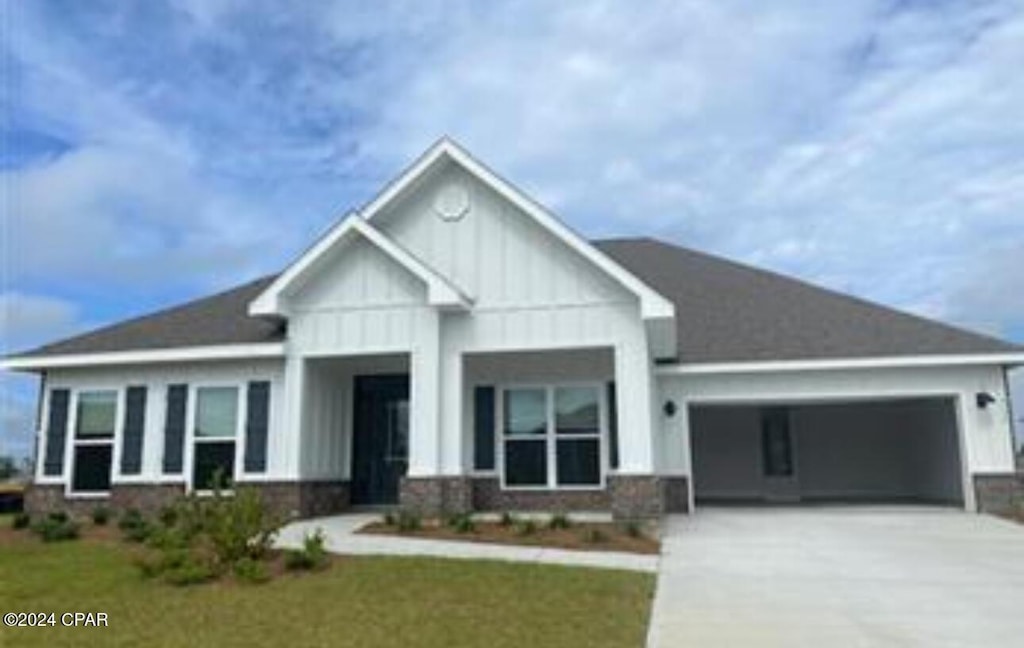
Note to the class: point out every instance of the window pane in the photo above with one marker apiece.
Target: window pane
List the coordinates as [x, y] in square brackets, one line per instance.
[579, 462]
[91, 471]
[96, 414]
[526, 411]
[576, 410]
[526, 463]
[216, 411]
[213, 459]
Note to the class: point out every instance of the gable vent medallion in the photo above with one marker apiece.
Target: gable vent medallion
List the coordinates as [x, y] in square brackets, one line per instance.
[452, 202]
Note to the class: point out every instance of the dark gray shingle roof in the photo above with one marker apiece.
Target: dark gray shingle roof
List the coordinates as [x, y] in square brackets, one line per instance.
[218, 319]
[726, 312]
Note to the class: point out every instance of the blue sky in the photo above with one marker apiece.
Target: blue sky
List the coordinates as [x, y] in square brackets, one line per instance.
[154, 151]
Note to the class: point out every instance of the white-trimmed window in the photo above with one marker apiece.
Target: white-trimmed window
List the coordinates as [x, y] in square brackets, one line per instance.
[552, 436]
[214, 433]
[92, 450]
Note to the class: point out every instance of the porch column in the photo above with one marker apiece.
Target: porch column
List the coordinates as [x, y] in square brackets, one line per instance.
[453, 459]
[289, 446]
[635, 397]
[425, 398]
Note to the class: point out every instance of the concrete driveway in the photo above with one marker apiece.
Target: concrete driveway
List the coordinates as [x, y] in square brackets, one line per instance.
[843, 576]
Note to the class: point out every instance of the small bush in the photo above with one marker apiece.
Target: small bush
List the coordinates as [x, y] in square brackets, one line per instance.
[633, 529]
[168, 516]
[100, 515]
[58, 516]
[389, 519]
[462, 523]
[559, 521]
[190, 572]
[21, 521]
[56, 529]
[526, 527]
[239, 526]
[507, 519]
[134, 527]
[251, 571]
[408, 522]
[313, 554]
[595, 536]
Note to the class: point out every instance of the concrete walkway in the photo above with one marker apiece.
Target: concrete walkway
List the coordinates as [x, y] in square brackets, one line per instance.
[342, 539]
[856, 576]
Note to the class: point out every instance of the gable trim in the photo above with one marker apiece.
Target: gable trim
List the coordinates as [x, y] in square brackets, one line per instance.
[146, 356]
[440, 292]
[652, 304]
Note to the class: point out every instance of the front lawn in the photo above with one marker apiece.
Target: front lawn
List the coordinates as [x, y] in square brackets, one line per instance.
[357, 601]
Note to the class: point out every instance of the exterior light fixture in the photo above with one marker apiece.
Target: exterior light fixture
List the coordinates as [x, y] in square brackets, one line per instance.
[984, 399]
[669, 408]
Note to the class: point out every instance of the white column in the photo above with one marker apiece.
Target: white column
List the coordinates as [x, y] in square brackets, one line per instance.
[425, 398]
[289, 449]
[633, 387]
[452, 439]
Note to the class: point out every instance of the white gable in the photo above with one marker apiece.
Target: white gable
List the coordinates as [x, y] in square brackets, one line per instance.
[358, 274]
[493, 251]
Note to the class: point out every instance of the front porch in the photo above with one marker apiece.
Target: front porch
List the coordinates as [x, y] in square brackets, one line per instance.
[514, 431]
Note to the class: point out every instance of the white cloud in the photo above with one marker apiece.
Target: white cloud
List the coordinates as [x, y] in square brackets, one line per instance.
[31, 319]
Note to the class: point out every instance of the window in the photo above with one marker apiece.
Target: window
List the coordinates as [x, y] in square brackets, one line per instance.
[93, 447]
[552, 436]
[215, 431]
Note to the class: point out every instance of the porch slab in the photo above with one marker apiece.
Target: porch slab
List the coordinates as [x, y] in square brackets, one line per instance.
[341, 538]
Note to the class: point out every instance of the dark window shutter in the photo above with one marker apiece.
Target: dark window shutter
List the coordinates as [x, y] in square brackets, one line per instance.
[258, 408]
[483, 428]
[56, 432]
[174, 429]
[613, 428]
[134, 430]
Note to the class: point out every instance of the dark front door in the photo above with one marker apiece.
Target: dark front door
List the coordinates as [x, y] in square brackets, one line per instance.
[380, 441]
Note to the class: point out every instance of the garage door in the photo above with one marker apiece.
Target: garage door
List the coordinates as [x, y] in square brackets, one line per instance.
[884, 451]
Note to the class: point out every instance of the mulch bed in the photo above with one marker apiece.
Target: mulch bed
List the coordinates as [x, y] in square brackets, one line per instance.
[583, 536]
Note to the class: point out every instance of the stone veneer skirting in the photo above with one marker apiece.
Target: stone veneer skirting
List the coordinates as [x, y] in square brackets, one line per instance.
[287, 499]
[999, 493]
[626, 497]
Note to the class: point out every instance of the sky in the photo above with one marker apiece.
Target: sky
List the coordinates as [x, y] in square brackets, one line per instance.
[156, 151]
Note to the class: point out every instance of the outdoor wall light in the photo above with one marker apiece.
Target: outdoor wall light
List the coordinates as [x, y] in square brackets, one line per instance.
[669, 408]
[984, 399]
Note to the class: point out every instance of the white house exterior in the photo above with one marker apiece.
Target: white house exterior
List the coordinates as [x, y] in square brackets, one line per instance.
[452, 346]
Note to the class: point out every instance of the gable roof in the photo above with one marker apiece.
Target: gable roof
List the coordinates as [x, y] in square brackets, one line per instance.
[440, 292]
[730, 313]
[737, 313]
[653, 305]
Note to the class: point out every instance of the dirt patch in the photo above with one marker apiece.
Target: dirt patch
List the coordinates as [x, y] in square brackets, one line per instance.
[582, 536]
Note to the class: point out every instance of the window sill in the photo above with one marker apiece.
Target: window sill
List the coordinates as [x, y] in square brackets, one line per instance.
[555, 489]
[88, 496]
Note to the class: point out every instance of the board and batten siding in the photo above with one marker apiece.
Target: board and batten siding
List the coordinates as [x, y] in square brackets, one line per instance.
[985, 434]
[282, 453]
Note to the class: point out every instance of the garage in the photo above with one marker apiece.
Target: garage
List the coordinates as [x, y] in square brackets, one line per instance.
[862, 451]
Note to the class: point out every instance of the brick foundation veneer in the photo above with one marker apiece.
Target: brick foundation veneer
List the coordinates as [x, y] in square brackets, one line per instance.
[287, 499]
[627, 497]
[999, 493]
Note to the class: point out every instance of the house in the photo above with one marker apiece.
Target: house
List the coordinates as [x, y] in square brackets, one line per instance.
[453, 346]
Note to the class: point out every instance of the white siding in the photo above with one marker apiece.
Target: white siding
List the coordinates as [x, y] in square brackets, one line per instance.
[156, 378]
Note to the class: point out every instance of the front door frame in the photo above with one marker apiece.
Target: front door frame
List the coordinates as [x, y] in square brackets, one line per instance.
[376, 482]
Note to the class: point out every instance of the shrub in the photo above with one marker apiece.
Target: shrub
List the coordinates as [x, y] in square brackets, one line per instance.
[56, 528]
[559, 521]
[594, 536]
[633, 529]
[58, 516]
[389, 519]
[462, 523]
[238, 526]
[313, 555]
[190, 572]
[100, 515]
[134, 527]
[21, 521]
[507, 519]
[251, 571]
[168, 515]
[526, 527]
[408, 522]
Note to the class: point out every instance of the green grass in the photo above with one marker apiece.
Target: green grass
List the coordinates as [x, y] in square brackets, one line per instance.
[357, 602]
